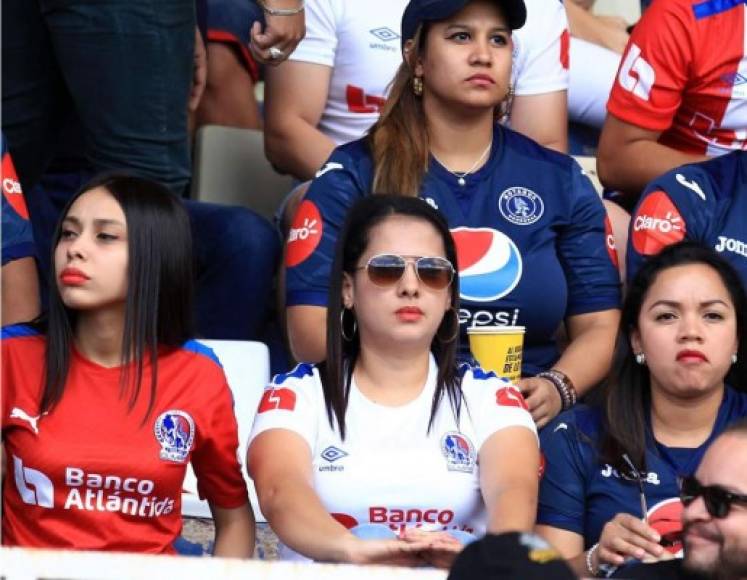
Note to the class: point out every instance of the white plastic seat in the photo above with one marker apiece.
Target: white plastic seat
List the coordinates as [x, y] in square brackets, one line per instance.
[247, 368]
[230, 168]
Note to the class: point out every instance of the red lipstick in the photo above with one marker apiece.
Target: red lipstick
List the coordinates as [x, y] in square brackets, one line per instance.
[73, 277]
[409, 313]
[691, 356]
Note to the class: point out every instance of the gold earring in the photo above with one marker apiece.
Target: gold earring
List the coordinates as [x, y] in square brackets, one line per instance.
[417, 86]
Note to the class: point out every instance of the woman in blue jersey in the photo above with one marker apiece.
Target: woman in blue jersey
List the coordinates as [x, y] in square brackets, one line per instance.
[105, 399]
[530, 231]
[388, 452]
[610, 488]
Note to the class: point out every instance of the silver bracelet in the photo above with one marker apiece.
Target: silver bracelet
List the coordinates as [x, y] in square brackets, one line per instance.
[282, 11]
[589, 557]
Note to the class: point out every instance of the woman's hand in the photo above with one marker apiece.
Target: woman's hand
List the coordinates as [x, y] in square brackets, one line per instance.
[282, 33]
[626, 536]
[387, 552]
[542, 398]
[442, 548]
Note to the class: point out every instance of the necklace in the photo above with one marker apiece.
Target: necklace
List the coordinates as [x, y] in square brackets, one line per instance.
[460, 175]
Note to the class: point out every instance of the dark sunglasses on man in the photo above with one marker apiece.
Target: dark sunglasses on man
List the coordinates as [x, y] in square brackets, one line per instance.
[718, 501]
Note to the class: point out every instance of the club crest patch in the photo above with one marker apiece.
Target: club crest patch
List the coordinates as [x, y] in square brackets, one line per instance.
[459, 452]
[175, 432]
[521, 206]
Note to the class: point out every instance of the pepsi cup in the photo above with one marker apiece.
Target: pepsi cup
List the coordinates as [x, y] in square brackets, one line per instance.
[498, 349]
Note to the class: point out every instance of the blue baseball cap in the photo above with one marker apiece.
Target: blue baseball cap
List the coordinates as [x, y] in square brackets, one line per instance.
[419, 11]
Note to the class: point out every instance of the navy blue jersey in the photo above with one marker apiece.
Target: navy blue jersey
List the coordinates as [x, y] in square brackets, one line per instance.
[17, 239]
[580, 494]
[531, 237]
[705, 201]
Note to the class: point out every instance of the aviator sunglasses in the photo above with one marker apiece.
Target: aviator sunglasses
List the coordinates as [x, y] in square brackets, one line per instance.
[717, 500]
[387, 269]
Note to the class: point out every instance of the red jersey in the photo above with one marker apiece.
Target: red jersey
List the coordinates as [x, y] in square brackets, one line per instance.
[92, 474]
[684, 73]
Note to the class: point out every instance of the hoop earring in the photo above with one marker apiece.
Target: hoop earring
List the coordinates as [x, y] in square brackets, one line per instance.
[417, 86]
[640, 358]
[734, 358]
[351, 336]
[454, 333]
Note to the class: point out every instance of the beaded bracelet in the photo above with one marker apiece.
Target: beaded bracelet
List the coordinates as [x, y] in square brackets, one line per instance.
[589, 559]
[563, 384]
[282, 11]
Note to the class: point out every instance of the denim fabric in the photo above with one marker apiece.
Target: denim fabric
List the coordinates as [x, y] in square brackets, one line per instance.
[123, 66]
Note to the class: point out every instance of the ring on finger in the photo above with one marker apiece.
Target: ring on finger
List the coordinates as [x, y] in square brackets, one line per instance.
[276, 53]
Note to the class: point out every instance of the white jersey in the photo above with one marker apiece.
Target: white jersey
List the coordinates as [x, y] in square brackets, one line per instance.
[360, 42]
[389, 469]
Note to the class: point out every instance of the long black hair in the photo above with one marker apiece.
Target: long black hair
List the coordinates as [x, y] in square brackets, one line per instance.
[158, 309]
[337, 370]
[626, 393]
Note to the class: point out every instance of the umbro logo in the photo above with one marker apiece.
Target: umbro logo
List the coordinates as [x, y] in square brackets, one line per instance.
[332, 454]
[384, 34]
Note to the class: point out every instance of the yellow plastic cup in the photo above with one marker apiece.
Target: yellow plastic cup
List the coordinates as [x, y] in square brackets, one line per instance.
[498, 349]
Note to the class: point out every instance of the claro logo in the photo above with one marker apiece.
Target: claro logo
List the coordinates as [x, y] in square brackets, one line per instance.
[656, 224]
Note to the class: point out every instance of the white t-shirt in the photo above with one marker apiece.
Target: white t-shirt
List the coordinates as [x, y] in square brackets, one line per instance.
[389, 469]
[361, 42]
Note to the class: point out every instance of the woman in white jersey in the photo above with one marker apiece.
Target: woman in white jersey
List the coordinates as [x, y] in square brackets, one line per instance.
[389, 439]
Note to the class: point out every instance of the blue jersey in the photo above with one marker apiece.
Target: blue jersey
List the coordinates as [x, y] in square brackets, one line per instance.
[531, 236]
[705, 201]
[17, 239]
[579, 493]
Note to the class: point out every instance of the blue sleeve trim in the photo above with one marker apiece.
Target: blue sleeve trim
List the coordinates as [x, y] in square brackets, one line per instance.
[306, 298]
[18, 252]
[199, 348]
[301, 370]
[713, 7]
[559, 521]
[18, 331]
[594, 305]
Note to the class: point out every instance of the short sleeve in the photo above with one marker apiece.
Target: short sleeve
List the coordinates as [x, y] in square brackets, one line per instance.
[215, 460]
[310, 247]
[17, 236]
[586, 254]
[541, 49]
[494, 404]
[678, 205]
[562, 490]
[320, 43]
[654, 69]
[291, 402]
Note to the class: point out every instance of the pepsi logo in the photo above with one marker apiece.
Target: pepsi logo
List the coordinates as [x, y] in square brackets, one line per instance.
[304, 235]
[666, 518]
[490, 264]
[609, 237]
[657, 224]
[12, 188]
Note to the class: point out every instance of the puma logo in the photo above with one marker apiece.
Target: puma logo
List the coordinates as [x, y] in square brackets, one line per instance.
[18, 413]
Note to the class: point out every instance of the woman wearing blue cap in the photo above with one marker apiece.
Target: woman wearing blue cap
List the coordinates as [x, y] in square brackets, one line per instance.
[534, 245]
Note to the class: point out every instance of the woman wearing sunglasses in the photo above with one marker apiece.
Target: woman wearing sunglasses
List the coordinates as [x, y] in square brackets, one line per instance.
[528, 225]
[388, 452]
[611, 483]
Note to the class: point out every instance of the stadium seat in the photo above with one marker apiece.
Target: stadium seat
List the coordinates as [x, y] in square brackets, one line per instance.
[589, 165]
[247, 367]
[230, 168]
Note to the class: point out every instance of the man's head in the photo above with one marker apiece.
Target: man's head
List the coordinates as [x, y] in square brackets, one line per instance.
[715, 514]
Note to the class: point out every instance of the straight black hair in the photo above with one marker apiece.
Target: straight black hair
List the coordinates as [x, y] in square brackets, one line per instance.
[158, 310]
[337, 370]
[626, 393]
